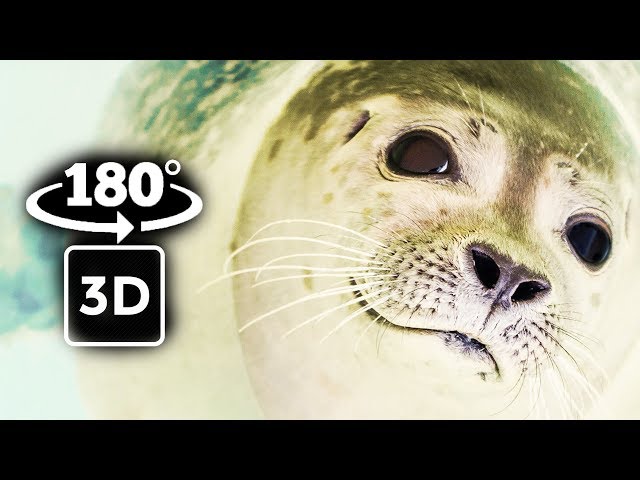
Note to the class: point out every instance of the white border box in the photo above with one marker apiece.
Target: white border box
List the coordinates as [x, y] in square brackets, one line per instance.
[66, 295]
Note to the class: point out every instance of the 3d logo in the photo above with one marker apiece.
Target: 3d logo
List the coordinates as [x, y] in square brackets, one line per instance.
[114, 295]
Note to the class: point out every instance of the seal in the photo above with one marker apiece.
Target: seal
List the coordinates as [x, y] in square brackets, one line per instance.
[442, 239]
[478, 215]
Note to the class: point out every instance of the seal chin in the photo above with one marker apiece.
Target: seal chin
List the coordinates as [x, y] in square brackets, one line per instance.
[461, 343]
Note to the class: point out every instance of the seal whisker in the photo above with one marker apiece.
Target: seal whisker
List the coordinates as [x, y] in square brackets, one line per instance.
[544, 397]
[361, 336]
[573, 334]
[588, 356]
[384, 328]
[595, 182]
[530, 391]
[318, 255]
[586, 387]
[584, 147]
[298, 239]
[361, 310]
[464, 95]
[583, 383]
[377, 221]
[318, 275]
[346, 280]
[306, 298]
[526, 367]
[577, 374]
[317, 222]
[375, 251]
[345, 270]
[538, 380]
[484, 117]
[577, 340]
[385, 231]
[579, 378]
[544, 409]
[401, 306]
[559, 344]
[532, 403]
[424, 233]
[519, 381]
[323, 314]
[601, 195]
[558, 388]
[562, 394]
[564, 317]
[561, 303]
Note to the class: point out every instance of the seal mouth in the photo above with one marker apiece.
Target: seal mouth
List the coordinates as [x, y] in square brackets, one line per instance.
[460, 342]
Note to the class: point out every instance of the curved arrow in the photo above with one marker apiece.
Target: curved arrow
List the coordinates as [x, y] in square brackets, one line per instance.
[194, 209]
[122, 227]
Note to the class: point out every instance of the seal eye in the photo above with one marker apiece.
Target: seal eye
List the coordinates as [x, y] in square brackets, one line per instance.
[419, 154]
[590, 242]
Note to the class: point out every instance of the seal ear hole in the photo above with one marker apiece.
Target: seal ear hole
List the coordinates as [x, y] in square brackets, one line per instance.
[359, 124]
[590, 242]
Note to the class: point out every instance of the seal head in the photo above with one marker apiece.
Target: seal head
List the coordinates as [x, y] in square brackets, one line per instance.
[433, 239]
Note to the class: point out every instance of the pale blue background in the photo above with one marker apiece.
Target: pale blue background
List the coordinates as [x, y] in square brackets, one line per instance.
[48, 109]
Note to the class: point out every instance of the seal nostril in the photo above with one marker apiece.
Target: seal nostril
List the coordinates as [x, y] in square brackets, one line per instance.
[486, 268]
[528, 291]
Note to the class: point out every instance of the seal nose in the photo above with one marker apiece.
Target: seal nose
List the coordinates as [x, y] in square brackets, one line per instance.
[511, 282]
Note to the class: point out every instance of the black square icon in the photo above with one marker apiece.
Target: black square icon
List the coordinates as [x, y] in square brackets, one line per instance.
[114, 296]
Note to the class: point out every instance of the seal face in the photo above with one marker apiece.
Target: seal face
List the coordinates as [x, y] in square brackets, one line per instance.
[432, 239]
